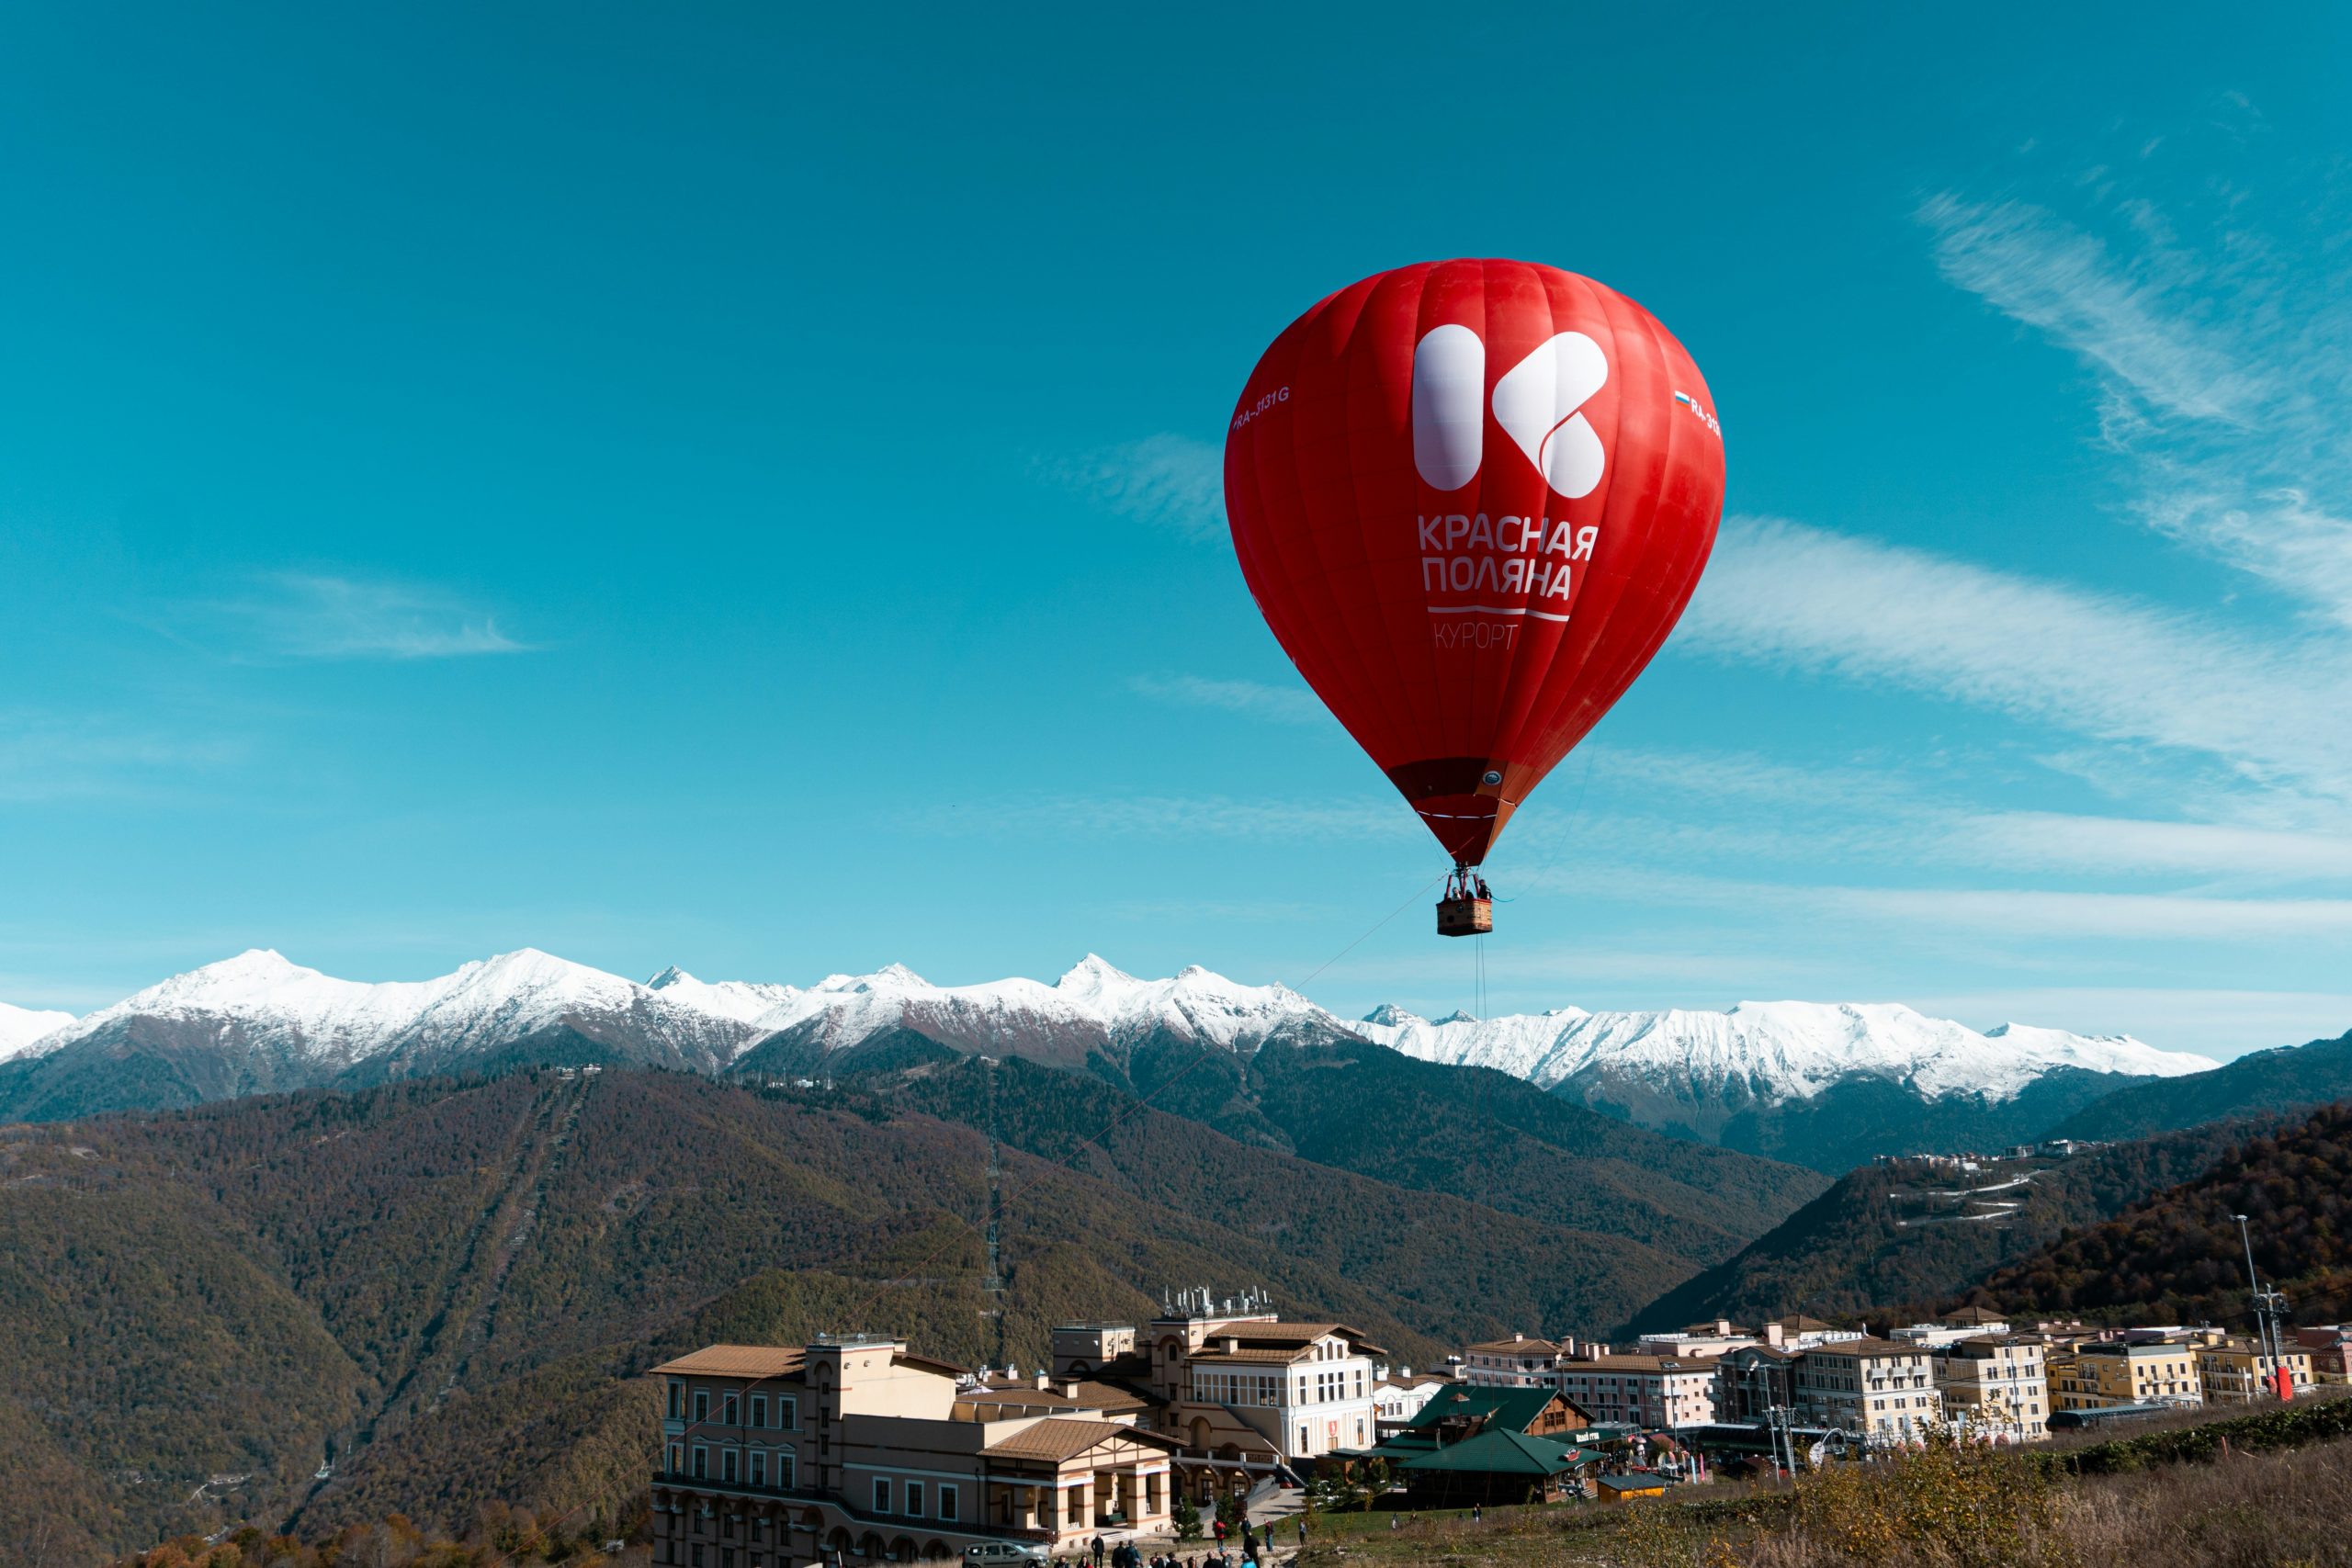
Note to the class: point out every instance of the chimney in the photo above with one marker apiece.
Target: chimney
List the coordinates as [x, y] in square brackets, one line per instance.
[1774, 1334]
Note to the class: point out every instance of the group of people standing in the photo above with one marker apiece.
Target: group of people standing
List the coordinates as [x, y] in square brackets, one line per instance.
[1127, 1555]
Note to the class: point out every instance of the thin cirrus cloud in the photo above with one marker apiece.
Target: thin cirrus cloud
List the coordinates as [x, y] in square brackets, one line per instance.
[46, 757]
[2102, 665]
[1255, 699]
[2222, 379]
[1169, 481]
[303, 615]
[2036, 268]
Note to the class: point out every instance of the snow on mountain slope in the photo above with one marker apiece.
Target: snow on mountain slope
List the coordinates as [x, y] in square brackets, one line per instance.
[741, 1000]
[25, 1032]
[1777, 1051]
[1092, 1005]
[299, 1016]
[286, 1025]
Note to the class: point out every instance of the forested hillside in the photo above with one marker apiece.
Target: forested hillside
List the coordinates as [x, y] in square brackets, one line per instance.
[2293, 1078]
[1893, 1235]
[1472, 1133]
[2177, 1256]
[449, 1288]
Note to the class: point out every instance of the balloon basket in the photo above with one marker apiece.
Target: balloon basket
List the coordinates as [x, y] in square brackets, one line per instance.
[1466, 917]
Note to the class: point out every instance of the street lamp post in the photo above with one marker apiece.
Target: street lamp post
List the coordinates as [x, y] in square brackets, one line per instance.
[2269, 1335]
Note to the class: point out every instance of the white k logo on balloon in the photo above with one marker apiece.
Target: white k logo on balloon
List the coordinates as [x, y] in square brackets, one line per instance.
[1536, 403]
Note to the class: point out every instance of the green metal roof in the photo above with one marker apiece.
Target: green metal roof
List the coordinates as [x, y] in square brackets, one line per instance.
[1501, 1453]
[1513, 1409]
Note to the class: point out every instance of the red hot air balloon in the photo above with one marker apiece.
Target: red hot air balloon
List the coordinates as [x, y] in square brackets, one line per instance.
[1471, 498]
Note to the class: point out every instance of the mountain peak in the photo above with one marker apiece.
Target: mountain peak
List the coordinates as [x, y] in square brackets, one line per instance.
[1389, 1015]
[668, 977]
[1091, 972]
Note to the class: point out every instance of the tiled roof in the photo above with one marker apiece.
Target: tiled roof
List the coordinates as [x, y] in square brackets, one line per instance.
[1871, 1348]
[737, 1362]
[1059, 1438]
[1516, 1348]
[1638, 1364]
[1107, 1396]
[1251, 1358]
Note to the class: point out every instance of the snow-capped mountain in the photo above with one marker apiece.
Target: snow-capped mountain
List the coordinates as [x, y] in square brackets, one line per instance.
[1825, 1083]
[1771, 1078]
[1773, 1050]
[26, 1030]
[1093, 1007]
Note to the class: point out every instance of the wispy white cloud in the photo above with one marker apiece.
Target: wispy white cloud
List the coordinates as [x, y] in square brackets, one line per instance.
[2031, 266]
[48, 756]
[1283, 705]
[1170, 481]
[2030, 912]
[2068, 842]
[2224, 359]
[2100, 664]
[309, 615]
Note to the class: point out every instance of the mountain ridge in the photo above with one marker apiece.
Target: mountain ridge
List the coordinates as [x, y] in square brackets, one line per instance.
[257, 1023]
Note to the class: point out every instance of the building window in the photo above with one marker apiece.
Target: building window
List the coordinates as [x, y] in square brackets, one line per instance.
[784, 1460]
[759, 1410]
[788, 1413]
[677, 1399]
[947, 1503]
[727, 1464]
[702, 1463]
[698, 1554]
[881, 1495]
[758, 1466]
[914, 1499]
[677, 1459]
[702, 1404]
[726, 1412]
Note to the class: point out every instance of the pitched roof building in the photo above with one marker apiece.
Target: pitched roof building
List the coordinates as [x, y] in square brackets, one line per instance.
[851, 1446]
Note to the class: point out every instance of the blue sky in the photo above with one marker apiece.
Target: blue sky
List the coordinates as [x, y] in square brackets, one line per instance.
[733, 487]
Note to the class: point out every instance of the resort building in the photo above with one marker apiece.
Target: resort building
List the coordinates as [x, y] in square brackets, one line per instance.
[1398, 1397]
[850, 1447]
[1651, 1391]
[1697, 1340]
[2102, 1374]
[1995, 1386]
[2330, 1348]
[2236, 1368]
[1882, 1390]
[1516, 1362]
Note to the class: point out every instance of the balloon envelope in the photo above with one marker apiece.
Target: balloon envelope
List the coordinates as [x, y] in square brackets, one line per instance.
[1471, 498]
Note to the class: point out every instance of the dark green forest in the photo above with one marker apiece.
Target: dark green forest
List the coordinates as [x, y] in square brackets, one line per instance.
[1882, 1242]
[2176, 1256]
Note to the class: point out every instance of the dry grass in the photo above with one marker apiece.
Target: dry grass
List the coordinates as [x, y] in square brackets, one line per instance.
[1940, 1509]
